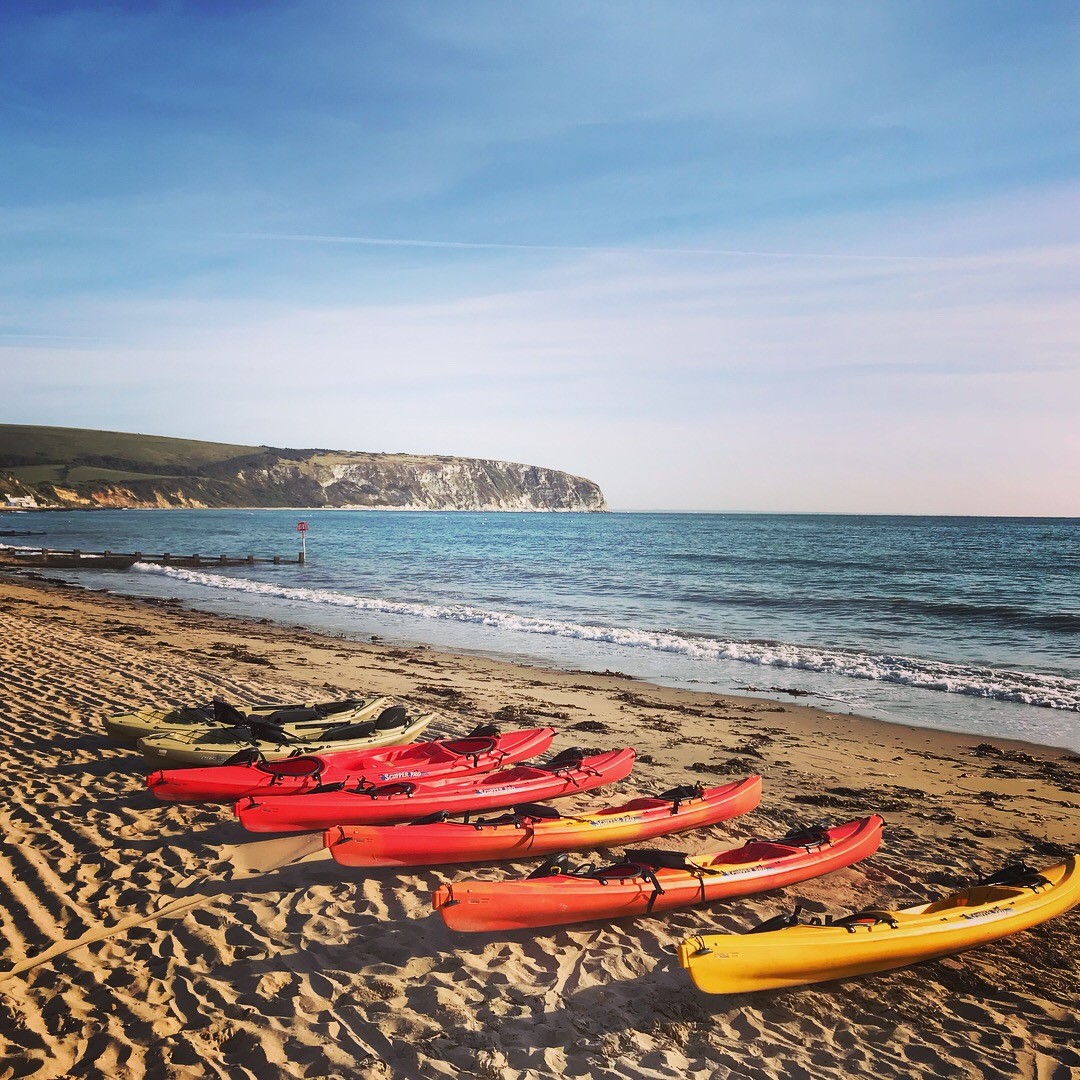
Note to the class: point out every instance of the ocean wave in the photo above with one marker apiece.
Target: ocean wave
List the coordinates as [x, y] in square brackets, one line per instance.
[1044, 691]
[1005, 615]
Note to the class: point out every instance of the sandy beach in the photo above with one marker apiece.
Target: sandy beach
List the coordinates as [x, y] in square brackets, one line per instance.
[146, 939]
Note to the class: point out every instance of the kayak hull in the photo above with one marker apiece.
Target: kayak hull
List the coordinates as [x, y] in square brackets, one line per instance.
[389, 804]
[209, 747]
[797, 955]
[129, 728]
[440, 758]
[439, 843]
[568, 898]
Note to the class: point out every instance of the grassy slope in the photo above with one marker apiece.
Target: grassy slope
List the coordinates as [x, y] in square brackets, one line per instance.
[29, 445]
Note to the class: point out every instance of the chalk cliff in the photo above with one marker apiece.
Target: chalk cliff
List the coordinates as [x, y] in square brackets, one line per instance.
[70, 467]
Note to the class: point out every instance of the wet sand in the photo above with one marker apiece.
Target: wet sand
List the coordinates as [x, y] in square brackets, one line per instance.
[146, 939]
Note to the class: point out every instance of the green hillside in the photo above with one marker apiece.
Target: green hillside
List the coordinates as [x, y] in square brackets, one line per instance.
[24, 446]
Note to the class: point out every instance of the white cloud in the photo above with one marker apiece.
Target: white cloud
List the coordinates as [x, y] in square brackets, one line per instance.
[947, 384]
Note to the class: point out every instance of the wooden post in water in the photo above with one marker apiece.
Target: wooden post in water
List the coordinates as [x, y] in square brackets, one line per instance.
[302, 529]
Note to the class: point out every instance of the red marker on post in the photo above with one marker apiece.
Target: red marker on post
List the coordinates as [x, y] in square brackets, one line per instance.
[302, 528]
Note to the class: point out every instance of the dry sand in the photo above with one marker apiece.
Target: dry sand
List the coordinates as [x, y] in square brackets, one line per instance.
[145, 939]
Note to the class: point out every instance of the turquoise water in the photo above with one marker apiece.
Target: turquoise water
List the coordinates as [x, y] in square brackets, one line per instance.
[969, 624]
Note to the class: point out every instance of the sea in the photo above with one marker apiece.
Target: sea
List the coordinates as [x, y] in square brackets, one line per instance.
[957, 623]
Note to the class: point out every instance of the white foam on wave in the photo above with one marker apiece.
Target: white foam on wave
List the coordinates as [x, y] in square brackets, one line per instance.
[1044, 691]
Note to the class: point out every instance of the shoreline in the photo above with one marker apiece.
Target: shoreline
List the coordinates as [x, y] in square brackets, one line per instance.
[165, 952]
[520, 657]
[781, 696]
[949, 662]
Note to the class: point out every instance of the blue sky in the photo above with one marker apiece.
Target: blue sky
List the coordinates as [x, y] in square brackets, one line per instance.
[761, 256]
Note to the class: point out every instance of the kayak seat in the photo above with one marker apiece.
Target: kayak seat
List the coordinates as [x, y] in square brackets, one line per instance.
[469, 746]
[976, 896]
[248, 756]
[520, 814]
[383, 791]
[224, 713]
[683, 793]
[1017, 876]
[537, 810]
[394, 717]
[516, 774]
[647, 802]
[639, 866]
[298, 766]
[556, 865]
[193, 715]
[291, 716]
[754, 851]
[567, 759]
[813, 836]
[483, 731]
[264, 731]
[329, 708]
[349, 731]
[867, 919]
[628, 871]
[667, 860]
[778, 922]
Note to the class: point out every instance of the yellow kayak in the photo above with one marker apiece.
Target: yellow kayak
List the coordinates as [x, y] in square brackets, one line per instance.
[131, 727]
[785, 952]
[270, 742]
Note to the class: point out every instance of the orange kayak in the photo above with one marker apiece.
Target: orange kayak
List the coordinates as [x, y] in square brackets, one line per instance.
[567, 773]
[647, 882]
[539, 830]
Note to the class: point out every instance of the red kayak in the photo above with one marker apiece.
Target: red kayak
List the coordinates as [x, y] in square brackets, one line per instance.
[647, 882]
[480, 751]
[368, 804]
[539, 830]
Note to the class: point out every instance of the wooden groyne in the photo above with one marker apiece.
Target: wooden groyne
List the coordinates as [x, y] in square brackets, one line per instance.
[77, 559]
